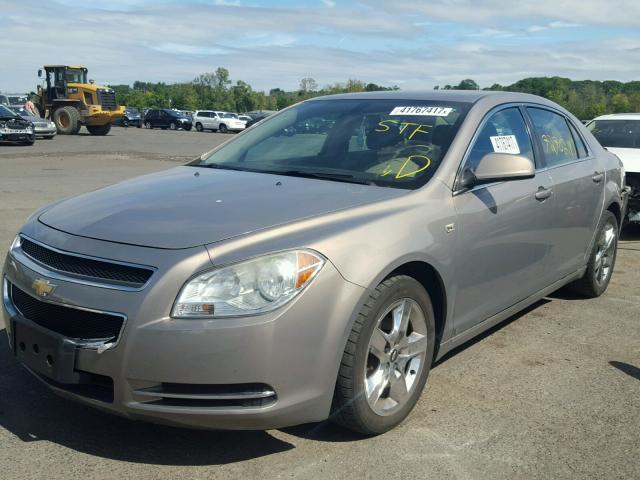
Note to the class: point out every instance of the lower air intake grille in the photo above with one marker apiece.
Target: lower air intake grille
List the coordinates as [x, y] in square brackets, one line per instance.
[68, 321]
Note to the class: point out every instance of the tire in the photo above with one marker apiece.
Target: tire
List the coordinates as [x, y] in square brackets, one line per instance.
[223, 128]
[601, 260]
[67, 120]
[125, 123]
[148, 125]
[354, 405]
[199, 127]
[30, 141]
[188, 128]
[173, 126]
[99, 129]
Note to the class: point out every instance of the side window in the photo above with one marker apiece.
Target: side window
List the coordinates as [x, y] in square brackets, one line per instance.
[554, 135]
[580, 146]
[504, 132]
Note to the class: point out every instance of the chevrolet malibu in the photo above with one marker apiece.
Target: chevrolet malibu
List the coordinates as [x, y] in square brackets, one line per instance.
[296, 274]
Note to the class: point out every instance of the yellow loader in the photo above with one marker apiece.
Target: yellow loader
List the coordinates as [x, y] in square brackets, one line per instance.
[70, 101]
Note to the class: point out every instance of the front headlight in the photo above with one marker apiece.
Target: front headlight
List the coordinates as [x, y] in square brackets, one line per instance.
[248, 288]
[52, 125]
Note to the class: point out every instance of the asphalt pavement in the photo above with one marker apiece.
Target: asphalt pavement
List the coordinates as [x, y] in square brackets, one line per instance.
[551, 393]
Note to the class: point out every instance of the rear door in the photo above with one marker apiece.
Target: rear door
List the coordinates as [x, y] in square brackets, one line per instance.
[578, 184]
[503, 243]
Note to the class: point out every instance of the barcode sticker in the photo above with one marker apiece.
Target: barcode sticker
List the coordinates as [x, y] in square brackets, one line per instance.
[426, 111]
[505, 144]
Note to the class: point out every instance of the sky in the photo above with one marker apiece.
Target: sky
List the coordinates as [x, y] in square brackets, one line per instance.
[412, 44]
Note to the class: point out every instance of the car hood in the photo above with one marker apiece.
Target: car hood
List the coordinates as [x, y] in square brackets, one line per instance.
[630, 158]
[189, 206]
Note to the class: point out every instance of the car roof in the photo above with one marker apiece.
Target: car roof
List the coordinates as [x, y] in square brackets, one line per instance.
[469, 96]
[619, 116]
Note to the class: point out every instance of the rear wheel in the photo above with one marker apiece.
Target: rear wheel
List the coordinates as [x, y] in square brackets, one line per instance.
[67, 120]
[602, 259]
[387, 358]
[99, 129]
[148, 125]
[223, 128]
[199, 127]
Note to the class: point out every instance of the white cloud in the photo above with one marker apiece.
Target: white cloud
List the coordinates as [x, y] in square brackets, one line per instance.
[329, 3]
[276, 47]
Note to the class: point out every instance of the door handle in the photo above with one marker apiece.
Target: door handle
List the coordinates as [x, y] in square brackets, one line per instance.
[597, 177]
[542, 194]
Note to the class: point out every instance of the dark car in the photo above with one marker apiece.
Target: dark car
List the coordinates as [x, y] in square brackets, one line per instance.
[166, 118]
[256, 118]
[14, 128]
[131, 117]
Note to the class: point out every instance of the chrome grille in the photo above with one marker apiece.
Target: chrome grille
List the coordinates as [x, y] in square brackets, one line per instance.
[101, 271]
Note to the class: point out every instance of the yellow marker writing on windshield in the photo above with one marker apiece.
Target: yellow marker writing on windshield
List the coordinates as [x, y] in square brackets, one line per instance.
[401, 173]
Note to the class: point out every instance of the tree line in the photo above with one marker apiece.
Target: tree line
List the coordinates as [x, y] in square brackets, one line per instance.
[586, 99]
[216, 91]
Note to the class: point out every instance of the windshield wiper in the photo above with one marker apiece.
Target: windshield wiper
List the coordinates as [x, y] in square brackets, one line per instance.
[336, 177]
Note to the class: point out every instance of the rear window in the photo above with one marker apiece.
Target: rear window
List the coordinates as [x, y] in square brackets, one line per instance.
[616, 133]
[395, 143]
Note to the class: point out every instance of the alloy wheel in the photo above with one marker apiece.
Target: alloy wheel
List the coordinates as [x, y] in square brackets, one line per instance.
[396, 356]
[605, 253]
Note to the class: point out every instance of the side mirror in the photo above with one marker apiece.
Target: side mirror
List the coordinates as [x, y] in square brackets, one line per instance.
[39, 73]
[497, 167]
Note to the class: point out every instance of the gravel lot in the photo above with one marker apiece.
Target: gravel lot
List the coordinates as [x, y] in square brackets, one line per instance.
[551, 393]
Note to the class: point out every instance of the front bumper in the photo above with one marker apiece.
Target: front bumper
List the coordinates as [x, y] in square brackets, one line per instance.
[45, 131]
[17, 137]
[267, 371]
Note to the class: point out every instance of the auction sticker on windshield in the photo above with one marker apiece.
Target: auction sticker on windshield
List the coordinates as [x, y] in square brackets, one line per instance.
[426, 111]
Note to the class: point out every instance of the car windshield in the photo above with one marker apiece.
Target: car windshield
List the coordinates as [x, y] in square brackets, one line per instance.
[616, 133]
[394, 143]
[175, 113]
[17, 100]
[6, 112]
[229, 115]
[133, 111]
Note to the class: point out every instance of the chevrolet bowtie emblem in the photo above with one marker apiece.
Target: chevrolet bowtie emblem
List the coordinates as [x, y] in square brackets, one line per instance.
[42, 287]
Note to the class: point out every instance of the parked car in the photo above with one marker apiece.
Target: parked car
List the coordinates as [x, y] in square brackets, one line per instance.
[17, 100]
[131, 117]
[286, 279]
[43, 128]
[216, 121]
[166, 118]
[4, 100]
[245, 118]
[14, 128]
[620, 134]
[256, 118]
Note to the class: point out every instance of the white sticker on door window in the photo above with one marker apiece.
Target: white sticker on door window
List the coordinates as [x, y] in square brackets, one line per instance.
[426, 111]
[505, 144]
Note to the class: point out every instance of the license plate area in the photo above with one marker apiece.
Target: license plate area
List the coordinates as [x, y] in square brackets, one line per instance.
[46, 353]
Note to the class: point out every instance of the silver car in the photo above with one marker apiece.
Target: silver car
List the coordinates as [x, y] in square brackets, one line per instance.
[316, 265]
[42, 127]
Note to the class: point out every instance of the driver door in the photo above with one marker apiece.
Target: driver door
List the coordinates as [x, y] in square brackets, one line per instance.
[503, 228]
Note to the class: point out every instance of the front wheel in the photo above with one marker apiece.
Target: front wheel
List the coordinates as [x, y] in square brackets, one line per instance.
[173, 126]
[99, 129]
[602, 259]
[223, 128]
[387, 358]
[147, 125]
[199, 127]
